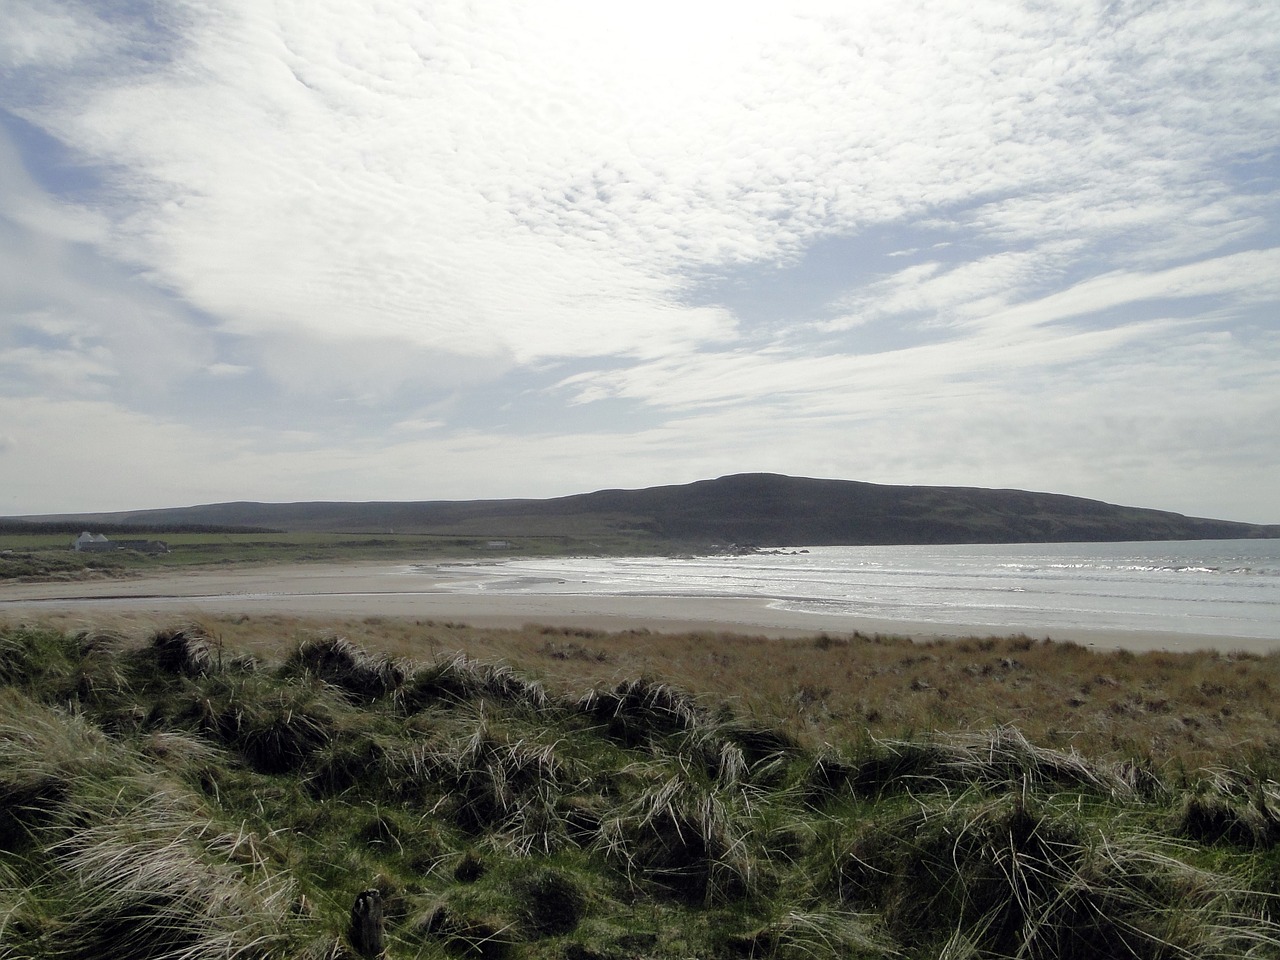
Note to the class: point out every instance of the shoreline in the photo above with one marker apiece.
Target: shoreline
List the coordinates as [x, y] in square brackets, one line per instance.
[390, 590]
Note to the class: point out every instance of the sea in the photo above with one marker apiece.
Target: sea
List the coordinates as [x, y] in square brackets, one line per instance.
[1226, 588]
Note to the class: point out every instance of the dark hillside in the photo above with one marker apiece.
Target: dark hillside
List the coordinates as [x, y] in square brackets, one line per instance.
[761, 509]
[771, 509]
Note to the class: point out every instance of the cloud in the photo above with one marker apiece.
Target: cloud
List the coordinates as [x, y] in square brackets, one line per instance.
[940, 293]
[462, 233]
[76, 322]
[227, 369]
[361, 176]
[29, 208]
[36, 35]
[983, 293]
[1242, 279]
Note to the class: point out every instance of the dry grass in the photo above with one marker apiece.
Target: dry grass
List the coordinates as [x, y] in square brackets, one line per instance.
[190, 804]
[1170, 710]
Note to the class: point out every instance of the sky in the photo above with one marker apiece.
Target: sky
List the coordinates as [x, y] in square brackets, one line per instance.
[291, 250]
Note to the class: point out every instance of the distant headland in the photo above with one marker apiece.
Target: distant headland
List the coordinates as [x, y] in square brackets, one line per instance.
[754, 510]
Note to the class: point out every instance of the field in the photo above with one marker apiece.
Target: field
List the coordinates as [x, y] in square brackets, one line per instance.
[1171, 711]
[48, 556]
[263, 787]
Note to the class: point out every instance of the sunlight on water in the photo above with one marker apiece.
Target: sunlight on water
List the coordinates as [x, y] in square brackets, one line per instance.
[1218, 587]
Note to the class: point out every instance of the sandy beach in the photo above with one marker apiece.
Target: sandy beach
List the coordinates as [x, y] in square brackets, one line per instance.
[400, 590]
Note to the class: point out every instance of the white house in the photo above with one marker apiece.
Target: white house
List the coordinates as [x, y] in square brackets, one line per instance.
[94, 542]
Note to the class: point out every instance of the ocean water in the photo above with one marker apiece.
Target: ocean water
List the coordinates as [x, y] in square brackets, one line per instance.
[1228, 588]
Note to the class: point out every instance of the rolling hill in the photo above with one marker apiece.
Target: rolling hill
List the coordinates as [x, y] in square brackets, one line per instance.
[757, 509]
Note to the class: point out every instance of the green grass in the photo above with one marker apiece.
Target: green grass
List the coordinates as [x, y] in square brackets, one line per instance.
[46, 556]
[173, 797]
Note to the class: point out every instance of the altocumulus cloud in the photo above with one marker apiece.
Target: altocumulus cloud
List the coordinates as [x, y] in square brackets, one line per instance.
[363, 250]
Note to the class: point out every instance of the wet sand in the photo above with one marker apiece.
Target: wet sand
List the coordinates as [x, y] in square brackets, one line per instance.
[423, 592]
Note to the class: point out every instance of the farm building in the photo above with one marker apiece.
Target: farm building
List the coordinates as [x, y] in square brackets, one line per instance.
[92, 543]
[96, 543]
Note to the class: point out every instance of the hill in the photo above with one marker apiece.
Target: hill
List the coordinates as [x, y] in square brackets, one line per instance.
[758, 509]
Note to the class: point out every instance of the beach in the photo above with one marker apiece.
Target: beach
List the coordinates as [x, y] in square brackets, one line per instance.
[424, 592]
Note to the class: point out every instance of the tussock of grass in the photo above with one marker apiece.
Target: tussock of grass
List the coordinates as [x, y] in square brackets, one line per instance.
[49, 758]
[338, 661]
[1233, 806]
[636, 710]
[803, 934]
[116, 862]
[460, 679]
[505, 786]
[25, 654]
[171, 799]
[1001, 757]
[1019, 880]
[687, 833]
[183, 652]
[155, 888]
[274, 724]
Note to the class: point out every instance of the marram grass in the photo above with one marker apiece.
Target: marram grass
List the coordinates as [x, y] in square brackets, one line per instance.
[174, 798]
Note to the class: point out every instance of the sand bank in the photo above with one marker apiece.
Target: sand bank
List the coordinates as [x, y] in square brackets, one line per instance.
[399, 590]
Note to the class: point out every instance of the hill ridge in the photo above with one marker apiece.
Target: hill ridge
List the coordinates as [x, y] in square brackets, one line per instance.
[763, 509]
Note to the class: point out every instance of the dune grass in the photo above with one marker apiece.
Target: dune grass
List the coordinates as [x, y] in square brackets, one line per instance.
[1157, 709]
[192, 794]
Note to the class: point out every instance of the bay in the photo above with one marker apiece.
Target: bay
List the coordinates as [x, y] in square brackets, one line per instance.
[1227, 588]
